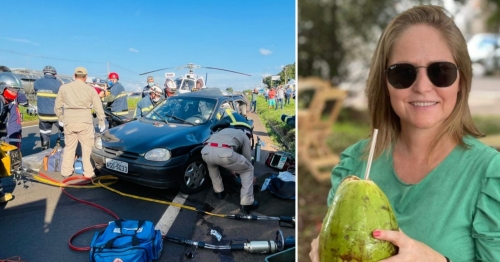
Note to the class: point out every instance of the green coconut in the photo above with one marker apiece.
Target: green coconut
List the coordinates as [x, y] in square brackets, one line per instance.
[359, 207]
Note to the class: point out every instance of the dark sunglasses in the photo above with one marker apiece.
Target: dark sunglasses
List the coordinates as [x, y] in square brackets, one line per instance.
[441, 74]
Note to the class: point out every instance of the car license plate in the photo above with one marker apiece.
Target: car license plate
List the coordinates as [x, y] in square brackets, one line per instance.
[116, 165]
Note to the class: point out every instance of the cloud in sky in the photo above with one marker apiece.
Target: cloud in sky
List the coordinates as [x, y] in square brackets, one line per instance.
[265, 51]
[26, 41]
[133, 50]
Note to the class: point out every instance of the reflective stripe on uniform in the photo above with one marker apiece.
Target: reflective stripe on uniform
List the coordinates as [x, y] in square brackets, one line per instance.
[121, 113]
[13, 139]
[46, 131]
[233, 120]
[46, 95]
[147, 109]
[120, 95]
[48, 118]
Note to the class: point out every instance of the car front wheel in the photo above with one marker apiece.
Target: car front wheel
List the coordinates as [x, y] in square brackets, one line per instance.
[195, 176]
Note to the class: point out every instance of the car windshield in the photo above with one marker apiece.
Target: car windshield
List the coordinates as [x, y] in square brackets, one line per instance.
[192, 110]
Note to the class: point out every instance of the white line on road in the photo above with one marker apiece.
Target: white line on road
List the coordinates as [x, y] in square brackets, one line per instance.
[167, 219]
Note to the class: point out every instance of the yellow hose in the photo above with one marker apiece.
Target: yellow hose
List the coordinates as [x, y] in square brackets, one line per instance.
[96, 182]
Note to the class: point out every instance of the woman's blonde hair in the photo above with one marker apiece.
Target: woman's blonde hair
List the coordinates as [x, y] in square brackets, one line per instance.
[382, 115]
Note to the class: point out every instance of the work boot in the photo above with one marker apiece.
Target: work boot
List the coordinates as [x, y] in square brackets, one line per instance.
[6, 198]
[45, 145]
[248, 208]
[220, 195]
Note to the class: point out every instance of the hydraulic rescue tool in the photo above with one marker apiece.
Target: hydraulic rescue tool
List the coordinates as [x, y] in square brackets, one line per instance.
[256, 247]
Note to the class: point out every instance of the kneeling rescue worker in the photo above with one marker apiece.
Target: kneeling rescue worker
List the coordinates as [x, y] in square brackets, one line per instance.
[230, 148]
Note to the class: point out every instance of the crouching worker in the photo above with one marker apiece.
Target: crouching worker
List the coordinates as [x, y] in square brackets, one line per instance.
[73, 108]
[230, 148]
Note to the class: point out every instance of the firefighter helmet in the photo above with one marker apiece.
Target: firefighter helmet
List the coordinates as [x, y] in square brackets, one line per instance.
[4, 69]
[113, 75]
[8, 79]
[10, 85]
[170, 84]
[156, 89]
[49, 70]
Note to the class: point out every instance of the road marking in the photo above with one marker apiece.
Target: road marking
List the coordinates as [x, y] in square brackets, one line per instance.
[29, 126]
[167, 219]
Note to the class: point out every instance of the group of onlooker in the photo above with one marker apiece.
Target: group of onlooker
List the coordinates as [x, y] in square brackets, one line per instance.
[278, 97]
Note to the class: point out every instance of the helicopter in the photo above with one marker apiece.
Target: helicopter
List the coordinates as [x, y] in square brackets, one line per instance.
[189, 82]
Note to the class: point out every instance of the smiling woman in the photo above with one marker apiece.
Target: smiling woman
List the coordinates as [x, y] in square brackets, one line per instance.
[440, 180]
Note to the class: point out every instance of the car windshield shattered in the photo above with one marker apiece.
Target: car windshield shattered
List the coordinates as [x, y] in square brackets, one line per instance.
[183, 110]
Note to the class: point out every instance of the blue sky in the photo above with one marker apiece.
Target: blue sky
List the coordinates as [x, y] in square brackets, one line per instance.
[253, 37]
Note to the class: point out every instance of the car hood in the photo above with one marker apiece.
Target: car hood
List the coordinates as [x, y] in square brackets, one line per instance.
[142, 135]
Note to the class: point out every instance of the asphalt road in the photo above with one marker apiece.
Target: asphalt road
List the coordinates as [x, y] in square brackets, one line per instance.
[38, 223]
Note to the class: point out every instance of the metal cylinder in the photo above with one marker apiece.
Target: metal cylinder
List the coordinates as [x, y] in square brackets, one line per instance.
[261, 247]
[257, 151]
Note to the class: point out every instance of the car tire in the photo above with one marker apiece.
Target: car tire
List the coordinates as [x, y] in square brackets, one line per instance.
[195, 177]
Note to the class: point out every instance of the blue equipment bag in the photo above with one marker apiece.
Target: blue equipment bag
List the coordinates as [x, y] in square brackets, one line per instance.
[78, 166]
[127, 240]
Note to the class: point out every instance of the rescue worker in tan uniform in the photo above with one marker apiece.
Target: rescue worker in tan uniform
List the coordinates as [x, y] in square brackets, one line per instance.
[73, 107]
[230, 148]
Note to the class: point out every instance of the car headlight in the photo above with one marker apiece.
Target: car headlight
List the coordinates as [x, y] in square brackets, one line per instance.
[158, 154]
[98, 143]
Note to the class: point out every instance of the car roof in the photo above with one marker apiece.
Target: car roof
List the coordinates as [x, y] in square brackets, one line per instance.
[208, 92]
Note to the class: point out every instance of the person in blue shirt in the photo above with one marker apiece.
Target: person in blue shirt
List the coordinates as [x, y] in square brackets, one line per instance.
[146, 89]
[46, 89]
[13, 119]
[10, 85]
[14, 126]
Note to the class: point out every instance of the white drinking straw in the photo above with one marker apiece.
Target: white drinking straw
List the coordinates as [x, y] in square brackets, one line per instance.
[370, 156]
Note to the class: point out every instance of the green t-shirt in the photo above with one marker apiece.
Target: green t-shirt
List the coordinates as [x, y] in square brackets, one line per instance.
[455, 209]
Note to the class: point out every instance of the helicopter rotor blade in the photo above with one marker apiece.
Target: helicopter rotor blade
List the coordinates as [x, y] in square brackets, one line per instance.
[226, 70]
[155, 71]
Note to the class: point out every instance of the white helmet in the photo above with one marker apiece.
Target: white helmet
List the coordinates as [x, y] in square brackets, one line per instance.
[157, 90]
